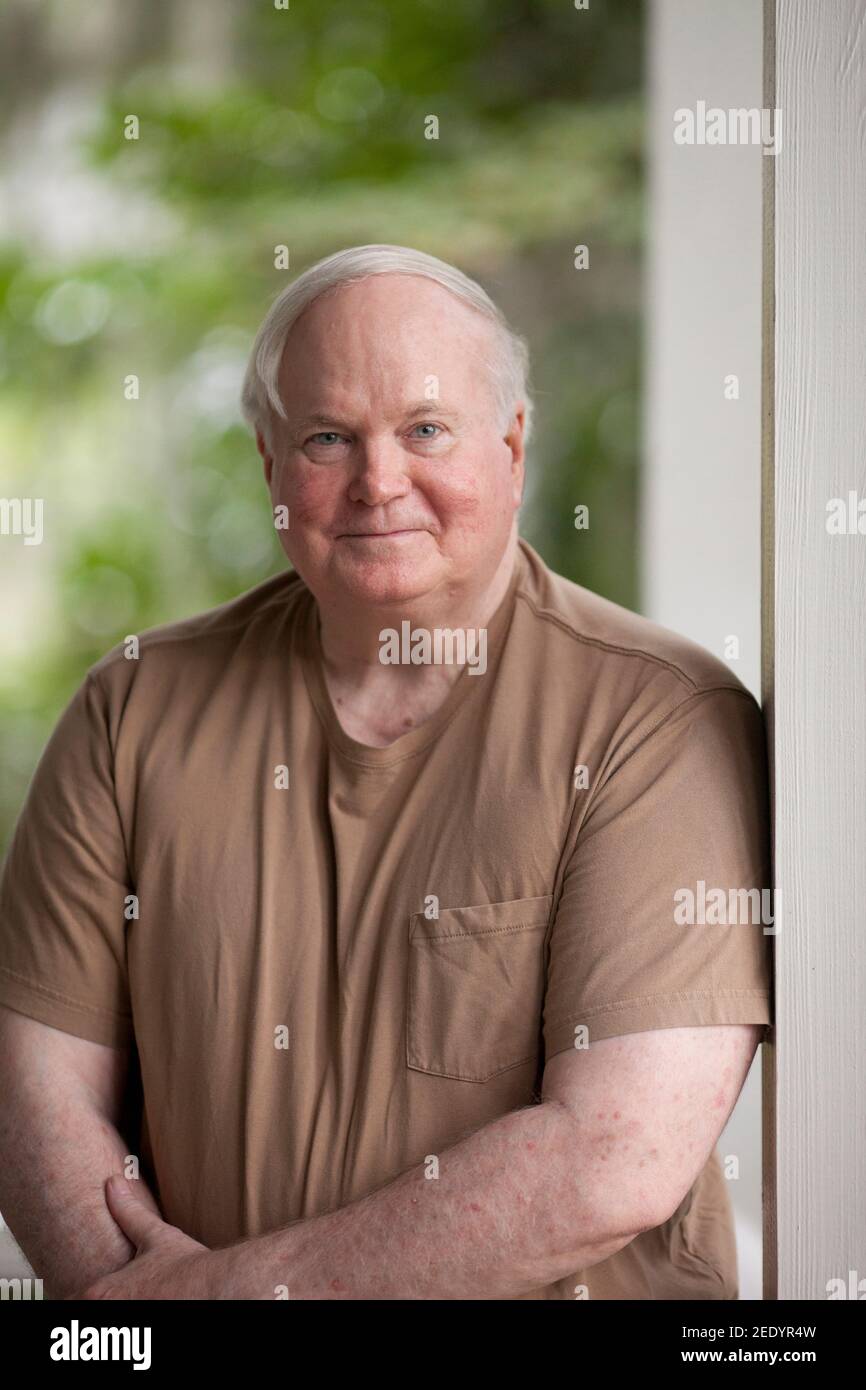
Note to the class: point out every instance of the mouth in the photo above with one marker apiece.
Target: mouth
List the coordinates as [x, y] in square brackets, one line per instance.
[377, 535]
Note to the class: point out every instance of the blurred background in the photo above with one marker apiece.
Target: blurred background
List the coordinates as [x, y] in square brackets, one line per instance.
[304, 127]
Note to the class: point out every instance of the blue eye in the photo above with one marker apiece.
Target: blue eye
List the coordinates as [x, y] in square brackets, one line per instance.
[324, 434]
[428, 426]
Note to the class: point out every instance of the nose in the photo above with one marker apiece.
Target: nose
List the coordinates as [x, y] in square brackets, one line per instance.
[380, 472]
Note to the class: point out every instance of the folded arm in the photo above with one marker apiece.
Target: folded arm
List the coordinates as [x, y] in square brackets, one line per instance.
[622, 1133]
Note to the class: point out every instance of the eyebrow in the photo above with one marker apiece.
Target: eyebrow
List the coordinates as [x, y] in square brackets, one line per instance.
[411, 413]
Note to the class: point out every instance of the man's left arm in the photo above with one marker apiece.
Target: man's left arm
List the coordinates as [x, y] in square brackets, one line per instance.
[622, 1132]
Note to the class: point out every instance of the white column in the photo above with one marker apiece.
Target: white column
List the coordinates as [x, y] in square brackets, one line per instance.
[816, 657]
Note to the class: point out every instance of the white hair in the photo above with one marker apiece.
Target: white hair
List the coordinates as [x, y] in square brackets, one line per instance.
[508, 366]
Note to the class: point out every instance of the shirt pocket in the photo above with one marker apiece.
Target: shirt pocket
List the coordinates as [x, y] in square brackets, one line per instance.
[475, 988]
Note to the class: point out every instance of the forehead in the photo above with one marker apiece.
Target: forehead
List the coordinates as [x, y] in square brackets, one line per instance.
[385, 308]
[385, 334]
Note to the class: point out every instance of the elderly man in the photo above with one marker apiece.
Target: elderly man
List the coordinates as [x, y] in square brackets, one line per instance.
[397, 948]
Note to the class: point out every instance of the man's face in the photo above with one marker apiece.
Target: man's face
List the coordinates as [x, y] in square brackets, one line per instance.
[392, 495]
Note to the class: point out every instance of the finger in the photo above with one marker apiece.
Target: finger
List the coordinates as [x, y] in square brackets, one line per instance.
[132, 1211]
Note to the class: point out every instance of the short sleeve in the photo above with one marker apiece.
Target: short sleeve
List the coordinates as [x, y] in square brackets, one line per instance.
[64, 884]
[641, 937]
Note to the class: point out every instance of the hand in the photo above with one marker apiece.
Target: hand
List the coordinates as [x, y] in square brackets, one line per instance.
[167, 1263]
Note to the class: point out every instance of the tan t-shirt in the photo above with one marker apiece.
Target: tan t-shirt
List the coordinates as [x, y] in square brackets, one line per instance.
[343, 958]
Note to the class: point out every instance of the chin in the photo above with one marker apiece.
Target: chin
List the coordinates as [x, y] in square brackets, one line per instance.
[386, 590]
[387, 574]
[386, 583]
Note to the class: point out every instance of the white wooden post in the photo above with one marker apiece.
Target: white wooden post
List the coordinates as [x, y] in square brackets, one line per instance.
[815, 649]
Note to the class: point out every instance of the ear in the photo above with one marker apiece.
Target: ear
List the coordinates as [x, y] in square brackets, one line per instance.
[266, 455]
[514, 439]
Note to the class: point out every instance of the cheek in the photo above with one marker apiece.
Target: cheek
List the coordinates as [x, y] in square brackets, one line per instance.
[312, 495]
[471, 496]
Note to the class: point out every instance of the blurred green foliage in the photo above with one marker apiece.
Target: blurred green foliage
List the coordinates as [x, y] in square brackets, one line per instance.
[302, 127]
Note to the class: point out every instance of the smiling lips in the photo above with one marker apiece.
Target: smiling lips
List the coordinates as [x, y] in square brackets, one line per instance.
[376, 535]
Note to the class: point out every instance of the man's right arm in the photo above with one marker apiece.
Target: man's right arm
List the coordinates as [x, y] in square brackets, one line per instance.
[62, 1099]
